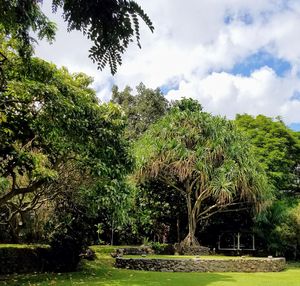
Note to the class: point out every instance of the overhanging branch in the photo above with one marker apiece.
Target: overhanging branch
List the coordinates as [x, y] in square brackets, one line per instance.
[14, 192]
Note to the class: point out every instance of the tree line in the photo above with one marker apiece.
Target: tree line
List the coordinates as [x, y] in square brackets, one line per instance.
[76, 171]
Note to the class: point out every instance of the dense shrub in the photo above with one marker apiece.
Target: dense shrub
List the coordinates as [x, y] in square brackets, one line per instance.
[24, 259]
[163, 248]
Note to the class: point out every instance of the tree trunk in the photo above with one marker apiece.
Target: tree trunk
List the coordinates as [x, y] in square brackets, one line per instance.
[178, 230]
[14, 232]
[190, 239]
[112, 231]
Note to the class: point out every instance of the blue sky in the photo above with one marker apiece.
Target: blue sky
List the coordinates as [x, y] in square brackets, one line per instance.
[295, 96]
[243, 16]
[233, 56]
[295, 126]
[173, 84]
[259, 60]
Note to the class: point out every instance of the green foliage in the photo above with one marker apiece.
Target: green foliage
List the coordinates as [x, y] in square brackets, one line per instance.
[157, 247]
[18, 17]
[142, 109]
[31, 246]
[59, 145]
[276, 146]
[111, 204]
[99, 230]
[278, 149]
[163, 248]
[146, 241]
[53, 117]
[159, 209]
[23, 258]
[186, 104]
[206, 159]
[279, 228]
[69, 231]
[111, 25]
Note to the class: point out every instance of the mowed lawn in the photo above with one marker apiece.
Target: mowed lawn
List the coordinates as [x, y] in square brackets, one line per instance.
[102, 272]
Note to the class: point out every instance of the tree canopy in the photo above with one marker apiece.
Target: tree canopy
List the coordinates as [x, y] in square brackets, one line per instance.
[276, 146]
[55, 136]
[278, 149]
[206, 159]
[142, 109]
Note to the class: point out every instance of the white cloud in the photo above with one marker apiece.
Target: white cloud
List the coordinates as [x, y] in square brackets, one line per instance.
[191, 42]
[261, 93]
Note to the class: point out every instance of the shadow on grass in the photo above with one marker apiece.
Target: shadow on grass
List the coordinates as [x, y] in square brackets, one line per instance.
[101, 272]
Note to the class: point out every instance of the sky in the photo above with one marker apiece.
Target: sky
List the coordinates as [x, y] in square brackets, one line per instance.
[234, 56]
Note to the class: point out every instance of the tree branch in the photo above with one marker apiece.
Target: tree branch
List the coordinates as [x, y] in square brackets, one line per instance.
[221, 209]
[203, 195]
[172, 185]
[14, 192]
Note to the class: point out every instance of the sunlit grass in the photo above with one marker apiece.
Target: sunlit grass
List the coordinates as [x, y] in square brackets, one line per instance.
[102, 272]
[31, 246]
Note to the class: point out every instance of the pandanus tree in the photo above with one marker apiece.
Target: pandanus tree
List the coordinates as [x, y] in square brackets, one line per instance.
[206, 159]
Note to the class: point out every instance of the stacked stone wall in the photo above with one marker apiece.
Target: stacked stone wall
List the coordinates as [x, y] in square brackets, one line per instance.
[23, 260]
[204, 265]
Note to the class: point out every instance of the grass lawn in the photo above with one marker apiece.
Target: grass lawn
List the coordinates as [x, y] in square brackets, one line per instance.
[23, 246]
[102, 272]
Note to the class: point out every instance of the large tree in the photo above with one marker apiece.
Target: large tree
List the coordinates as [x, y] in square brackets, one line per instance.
[142, 109]
[55, 135]
[204, 158]
[277, 147]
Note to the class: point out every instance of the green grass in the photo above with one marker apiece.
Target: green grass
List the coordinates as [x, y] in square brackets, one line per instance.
[31, 246]
[101, 272]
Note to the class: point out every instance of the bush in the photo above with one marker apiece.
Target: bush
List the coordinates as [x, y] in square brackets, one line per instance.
[163, 248]
[23, 259]
[65, 251]
[70, 228]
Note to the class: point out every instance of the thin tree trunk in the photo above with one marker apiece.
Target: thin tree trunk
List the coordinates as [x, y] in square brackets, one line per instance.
[190, 239]
[14, 232]
[178, 230]
[112, 231]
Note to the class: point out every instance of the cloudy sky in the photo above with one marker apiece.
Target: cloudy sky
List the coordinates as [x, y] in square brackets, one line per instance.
[234, 56]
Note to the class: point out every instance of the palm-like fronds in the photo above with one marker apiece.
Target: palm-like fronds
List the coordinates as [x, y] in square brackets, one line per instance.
[204, 157]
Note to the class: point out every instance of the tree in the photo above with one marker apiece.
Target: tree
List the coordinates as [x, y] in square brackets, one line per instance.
[17, 19]
[205, 159]
[142, 109]
[112, 207]
[279, 228]
[277, 148]
[54, 136]
[110, 24]
[160, 207]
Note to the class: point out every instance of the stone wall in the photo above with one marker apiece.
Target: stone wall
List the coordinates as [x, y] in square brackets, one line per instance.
[167, 249]
[23, 260]
[200, 265]
[134, 251]
[196, 250]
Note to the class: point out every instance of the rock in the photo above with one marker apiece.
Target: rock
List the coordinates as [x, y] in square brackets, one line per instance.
[89, 254]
